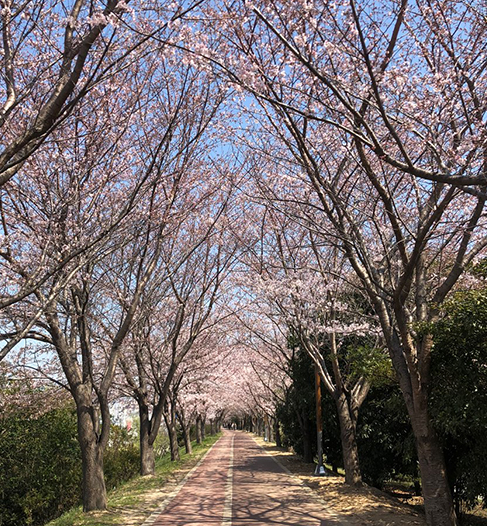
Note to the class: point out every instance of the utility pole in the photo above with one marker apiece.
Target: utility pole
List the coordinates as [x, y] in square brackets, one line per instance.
[320, 470]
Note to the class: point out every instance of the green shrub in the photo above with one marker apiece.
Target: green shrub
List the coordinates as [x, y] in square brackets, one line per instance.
[40, 467]
[459, 394]
[384, 437]
[122, 460]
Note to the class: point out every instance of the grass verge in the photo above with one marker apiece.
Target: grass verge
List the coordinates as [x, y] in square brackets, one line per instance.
[132, 502]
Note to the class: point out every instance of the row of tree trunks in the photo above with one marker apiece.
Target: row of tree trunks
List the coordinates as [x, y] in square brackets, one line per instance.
[147, 454]
[268, 427]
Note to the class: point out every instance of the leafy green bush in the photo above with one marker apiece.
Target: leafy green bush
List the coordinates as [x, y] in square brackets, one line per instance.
[297, 415]
[40, 467]
[384, 437]
[122, 460]
[459, 394]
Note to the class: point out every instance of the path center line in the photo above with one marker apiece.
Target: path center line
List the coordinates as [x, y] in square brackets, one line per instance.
[227, 508]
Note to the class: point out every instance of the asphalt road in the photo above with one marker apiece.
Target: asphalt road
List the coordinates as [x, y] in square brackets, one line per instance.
[239, 484]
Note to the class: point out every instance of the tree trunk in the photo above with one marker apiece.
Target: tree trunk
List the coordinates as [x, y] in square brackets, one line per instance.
[187, 438]
[348, 435]
[438, 501]
[173, 441]
[203, 430]
[267, 435]
[212, 426]
[94, 490]
[170, 419]
[147, 457]
[199, 435]
[277, 432]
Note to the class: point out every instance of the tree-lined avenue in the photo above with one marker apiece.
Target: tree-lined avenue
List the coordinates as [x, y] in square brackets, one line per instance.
[204, 205]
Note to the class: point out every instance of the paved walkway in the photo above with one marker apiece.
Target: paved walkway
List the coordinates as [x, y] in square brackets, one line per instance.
[238, 484]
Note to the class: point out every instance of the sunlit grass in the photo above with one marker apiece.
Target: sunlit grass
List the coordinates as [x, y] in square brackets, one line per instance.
[129, 496]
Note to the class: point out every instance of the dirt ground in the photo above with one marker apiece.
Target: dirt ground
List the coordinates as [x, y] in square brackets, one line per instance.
[364, 506]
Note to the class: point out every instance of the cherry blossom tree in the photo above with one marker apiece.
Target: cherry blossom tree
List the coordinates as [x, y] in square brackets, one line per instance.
[198, 391]
[208, 388]
[404, 79]
[78, 79]
[382, 114]
[83, 311]
[174, 325]
[56, 53]
[61, 216]
[306, 292]
[70, 328]
[407, 242]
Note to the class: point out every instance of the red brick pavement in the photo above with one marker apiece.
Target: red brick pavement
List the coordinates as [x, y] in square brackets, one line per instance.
[201, 500]
[265, 494]
[239, 484]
